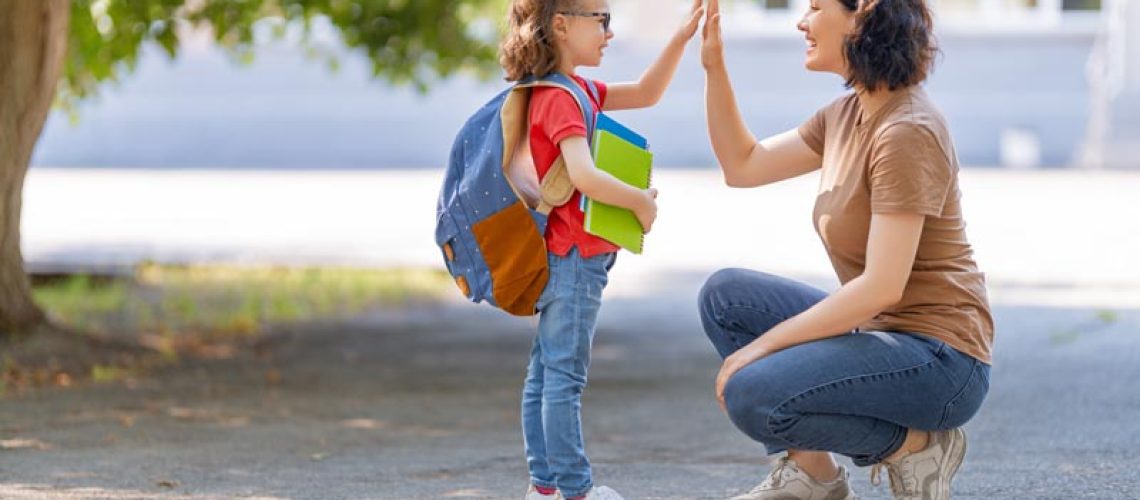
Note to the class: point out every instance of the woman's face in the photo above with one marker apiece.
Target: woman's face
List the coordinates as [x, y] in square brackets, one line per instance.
[826, 25]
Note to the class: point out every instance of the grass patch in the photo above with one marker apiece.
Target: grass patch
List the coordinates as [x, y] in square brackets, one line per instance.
[1102, 319]
[217, 302]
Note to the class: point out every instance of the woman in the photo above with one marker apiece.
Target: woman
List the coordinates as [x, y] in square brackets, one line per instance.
[886, 369]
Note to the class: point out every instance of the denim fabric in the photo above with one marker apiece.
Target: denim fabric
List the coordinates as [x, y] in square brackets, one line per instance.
[855, 394]
[556, 375]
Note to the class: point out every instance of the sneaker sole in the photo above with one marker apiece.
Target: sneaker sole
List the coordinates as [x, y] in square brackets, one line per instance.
[954, 456]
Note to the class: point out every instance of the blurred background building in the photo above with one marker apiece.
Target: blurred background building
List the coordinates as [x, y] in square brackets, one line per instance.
[1024, 84]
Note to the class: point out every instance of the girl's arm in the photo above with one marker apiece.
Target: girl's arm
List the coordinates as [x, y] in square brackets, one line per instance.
[891, 246]
[648, 90]
[604, 187]
[744, 161]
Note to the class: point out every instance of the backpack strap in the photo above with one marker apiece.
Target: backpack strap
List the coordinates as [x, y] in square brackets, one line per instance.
[556, 188]
[593, 88]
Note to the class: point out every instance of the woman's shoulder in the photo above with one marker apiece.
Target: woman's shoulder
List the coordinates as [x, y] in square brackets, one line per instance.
[916, 108]
[915, 115]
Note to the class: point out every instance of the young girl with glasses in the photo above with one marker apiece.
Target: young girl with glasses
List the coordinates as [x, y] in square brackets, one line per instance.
[558, 36]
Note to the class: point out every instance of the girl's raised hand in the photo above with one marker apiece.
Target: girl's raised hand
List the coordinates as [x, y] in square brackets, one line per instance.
[689, 29]
[712, 47]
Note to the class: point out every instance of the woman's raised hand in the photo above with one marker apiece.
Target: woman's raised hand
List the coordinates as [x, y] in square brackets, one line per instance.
[712, 47]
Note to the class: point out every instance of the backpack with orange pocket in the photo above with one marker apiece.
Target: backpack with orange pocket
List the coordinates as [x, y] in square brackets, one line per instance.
[492, 211]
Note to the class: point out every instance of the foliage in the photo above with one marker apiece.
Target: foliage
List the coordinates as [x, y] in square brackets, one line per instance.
[407, 41]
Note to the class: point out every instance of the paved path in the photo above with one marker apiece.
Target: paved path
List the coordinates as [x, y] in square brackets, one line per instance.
[423, 404]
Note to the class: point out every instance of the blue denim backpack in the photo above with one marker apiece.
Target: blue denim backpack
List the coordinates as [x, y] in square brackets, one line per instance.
[492, 211]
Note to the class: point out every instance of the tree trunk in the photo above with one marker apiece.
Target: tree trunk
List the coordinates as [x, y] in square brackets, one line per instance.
[33, 41]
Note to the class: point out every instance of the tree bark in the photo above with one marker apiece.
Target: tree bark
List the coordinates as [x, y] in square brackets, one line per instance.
[33, 42]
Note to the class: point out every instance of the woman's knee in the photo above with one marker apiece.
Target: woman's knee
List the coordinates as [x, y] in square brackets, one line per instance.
[712, 292]
[725, 288]
[751, 400]
[732, 285]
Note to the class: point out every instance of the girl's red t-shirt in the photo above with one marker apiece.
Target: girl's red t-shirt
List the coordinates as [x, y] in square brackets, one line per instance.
[554, 116]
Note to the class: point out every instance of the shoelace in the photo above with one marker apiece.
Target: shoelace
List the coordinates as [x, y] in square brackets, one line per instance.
[775, 478]
[899, 487]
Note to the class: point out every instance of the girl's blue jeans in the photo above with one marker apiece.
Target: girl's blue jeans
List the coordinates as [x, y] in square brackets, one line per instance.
[556, 375]
[855, 394]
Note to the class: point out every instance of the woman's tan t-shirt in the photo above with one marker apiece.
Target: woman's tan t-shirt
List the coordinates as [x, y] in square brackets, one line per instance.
[901, 160]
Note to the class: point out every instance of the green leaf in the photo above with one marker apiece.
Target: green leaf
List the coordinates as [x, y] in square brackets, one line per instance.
[408, 42]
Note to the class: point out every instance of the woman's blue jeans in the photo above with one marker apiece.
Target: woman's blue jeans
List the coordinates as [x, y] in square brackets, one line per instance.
[855, 394]
[556, 375]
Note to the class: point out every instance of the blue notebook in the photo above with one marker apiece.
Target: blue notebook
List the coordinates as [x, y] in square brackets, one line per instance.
[604, 122]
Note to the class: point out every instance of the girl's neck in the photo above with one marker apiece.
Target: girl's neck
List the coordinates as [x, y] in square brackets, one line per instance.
[566, 68]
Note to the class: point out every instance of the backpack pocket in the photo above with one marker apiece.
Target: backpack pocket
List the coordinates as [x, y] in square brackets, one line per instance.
[455, 253]
[512, 244]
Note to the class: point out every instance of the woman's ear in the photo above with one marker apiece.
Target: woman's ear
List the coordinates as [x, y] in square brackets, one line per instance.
[852, 21]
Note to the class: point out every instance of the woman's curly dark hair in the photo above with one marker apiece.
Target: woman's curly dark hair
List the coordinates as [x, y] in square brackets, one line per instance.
[893, 43]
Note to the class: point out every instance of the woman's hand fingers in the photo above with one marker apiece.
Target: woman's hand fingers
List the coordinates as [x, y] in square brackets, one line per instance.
[727, 370]
[715, 29]
[733, 364]
[720, 381]
[712, 49]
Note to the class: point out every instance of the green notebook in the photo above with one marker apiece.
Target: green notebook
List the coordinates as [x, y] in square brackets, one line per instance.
[632, 165]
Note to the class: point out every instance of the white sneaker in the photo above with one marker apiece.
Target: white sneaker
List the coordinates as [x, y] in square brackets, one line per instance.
[533, 494]
[603, 493]
[787, 481]
[926, 474]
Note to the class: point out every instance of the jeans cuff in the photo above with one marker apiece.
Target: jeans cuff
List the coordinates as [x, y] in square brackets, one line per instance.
[578, 493]
[543, 484]
[896, 442]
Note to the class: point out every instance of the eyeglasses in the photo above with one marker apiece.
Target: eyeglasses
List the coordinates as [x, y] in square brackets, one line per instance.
[604, 15]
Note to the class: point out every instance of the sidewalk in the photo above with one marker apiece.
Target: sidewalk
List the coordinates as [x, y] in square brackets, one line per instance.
[1066, 238]
[424, 405]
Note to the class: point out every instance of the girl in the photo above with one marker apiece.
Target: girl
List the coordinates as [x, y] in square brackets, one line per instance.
[888, 368]
[548, 36]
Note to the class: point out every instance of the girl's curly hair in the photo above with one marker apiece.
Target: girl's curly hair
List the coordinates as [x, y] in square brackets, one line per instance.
[528, 49]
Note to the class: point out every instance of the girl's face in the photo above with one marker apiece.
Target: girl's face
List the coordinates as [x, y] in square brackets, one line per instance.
[583, 32]
[826, 25]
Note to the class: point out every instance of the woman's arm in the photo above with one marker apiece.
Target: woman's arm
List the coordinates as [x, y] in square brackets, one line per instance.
[745, 161]
[891, 246]
[601, 186]
[648, 90]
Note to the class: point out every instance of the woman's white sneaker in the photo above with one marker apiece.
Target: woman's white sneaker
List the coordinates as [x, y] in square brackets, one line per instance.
[787, 481]
[926, 474]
